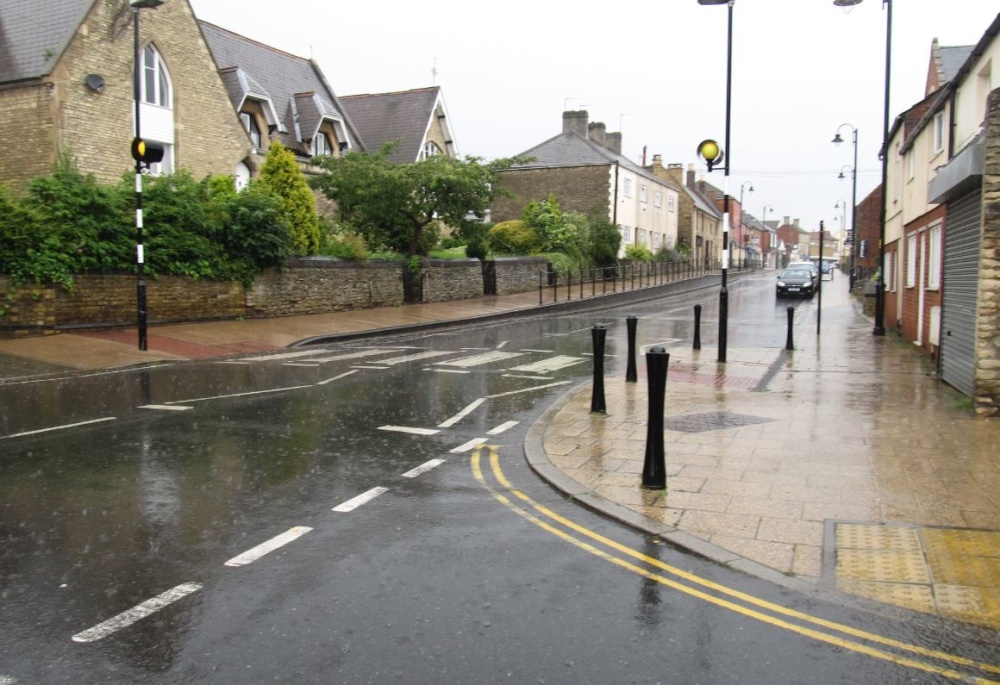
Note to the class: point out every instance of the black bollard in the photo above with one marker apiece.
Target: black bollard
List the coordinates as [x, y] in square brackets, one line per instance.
[630, 373]
[697, 327]
[788, 340]
[654, 468]
[597, 403]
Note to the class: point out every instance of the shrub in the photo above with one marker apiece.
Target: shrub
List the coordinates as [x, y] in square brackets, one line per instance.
[30, 250]
[281, 176]
[605, 241]
[513, 238]
[640, 252]
[256, 234]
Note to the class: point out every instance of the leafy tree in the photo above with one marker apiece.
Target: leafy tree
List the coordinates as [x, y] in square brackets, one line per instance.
[280, 175]
[400, 205]
[605, 240]
[514, 237]
[547, 220]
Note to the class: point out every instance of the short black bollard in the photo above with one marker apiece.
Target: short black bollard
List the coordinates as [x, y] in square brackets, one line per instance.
[697, 327]
[654, 468]
[597, 403]
[788, 341]
[630, 373]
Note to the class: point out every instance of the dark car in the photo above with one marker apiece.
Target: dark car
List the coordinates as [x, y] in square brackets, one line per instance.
[827, 266]
[796, 282]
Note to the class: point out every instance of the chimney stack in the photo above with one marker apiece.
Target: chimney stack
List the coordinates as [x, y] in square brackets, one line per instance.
[576, 122]
[690, 176]
[614, 142]
[597, 132]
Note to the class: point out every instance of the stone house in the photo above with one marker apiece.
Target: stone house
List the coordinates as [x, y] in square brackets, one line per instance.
[699, 221]
[417, 120]
[210, 99]
[584, 169]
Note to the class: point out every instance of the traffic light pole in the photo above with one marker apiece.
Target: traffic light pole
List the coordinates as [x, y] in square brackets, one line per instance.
[139, 256]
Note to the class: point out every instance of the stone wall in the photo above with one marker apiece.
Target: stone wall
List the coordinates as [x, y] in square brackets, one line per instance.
[445, 280]
[316, 285]
[987, 372]
[518, 274]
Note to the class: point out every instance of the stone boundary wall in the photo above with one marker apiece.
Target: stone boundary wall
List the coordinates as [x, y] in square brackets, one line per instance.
[987, 371]
[317, 285]
[445, 280]
[518, 274]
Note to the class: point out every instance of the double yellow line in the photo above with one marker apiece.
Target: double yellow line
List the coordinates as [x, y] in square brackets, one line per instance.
[726, 597]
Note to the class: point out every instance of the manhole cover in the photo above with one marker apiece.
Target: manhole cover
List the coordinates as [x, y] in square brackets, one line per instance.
[697, 423]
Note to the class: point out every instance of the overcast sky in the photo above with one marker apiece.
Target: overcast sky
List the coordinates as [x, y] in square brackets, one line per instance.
[653, 69]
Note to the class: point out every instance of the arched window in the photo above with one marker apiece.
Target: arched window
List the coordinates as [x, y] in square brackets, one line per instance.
[430, 150]
[321, 145]
[155, 80]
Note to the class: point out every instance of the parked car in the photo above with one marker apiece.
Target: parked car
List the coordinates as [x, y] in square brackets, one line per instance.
[810, 266]
[827, 266]
[796, 281]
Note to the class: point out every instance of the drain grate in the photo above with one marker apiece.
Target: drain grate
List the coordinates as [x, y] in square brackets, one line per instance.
[710, 421]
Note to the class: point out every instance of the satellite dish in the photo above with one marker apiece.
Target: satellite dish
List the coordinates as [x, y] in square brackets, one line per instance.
[95, 82]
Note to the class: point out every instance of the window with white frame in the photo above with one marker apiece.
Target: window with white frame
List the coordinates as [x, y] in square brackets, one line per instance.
[250, 124]
[657, 241]
[934, 257]
[890, 285]
[911, 166]
[626, 234]
[642, 236]
[642, 193]
[431, 149]
[938, 132]
[627, 188]
[911, 260]
[155, 82]
[657, 198]
[670, 203]
[321, 145]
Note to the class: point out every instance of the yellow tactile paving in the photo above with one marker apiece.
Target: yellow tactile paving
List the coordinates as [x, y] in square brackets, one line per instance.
[945, 571]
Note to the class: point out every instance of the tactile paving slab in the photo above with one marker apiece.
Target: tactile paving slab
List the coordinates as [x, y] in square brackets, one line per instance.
[710, 421]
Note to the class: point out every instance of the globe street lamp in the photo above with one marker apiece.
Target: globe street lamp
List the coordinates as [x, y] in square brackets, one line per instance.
[879, 328]
[837, 140]
[139, 152]
[710, 151]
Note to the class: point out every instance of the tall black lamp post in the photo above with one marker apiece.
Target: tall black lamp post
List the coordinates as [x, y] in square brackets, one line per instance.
[139, 153]
[837, 140]
[879, 328]
[763, 221]
[712, 154]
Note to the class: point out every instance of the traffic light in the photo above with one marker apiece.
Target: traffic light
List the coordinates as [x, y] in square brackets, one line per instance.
[863, 252]
[147, 153]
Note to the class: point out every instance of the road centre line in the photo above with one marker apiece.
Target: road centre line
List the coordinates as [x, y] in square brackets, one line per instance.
[363, 498]
[462, 414]
[503, 427]
[240, 394]
[164, 407]
[537, 387]
[465, 447]
[136, 613]
[408, 429]
[724, 590]
[310, 365]
[57, 428]
[252, 555]
[423, 468]
[336, 378]
[377, 368]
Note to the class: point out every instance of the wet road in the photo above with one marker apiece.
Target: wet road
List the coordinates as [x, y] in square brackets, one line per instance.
[405, 539]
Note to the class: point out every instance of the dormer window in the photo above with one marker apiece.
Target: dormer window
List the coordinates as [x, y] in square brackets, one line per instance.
[250, 124]
[321, 145]
[430, 150]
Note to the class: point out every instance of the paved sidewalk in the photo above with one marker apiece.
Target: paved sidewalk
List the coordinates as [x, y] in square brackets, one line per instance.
[844, 463]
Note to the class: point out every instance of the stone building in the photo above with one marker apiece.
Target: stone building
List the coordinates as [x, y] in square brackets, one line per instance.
[416, 120]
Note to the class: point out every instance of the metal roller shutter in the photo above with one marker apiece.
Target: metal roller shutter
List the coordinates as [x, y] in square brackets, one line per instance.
[959, 297]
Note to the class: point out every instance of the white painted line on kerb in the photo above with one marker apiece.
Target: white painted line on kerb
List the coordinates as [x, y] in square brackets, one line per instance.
[408, 429]
[423, 468]
[336, 378]
[252, 555]
[475, 442]
[164, 407]
[241, 394]
[136, 613]
[502, 427]
[537, 387]
[462, 414]
[364, 498]
[57, 428]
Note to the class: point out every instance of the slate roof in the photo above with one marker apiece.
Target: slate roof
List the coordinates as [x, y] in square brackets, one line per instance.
[403, 116]
[296, 86]
[952, 59]
[34, 33]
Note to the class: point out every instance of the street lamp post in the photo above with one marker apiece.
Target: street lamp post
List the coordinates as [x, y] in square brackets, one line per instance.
[763, 221]
[725, 157]
[139, 152]
[879, 328]
[837, 140]
[742, 225]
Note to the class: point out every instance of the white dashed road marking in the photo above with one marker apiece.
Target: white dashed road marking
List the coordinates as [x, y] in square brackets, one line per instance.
[336, 378]
[136, 613]
[241, 394]
[364, 498]
[502, 427]
[475, 442]
[163, 407]
[537, 387]
[56, 428]
[252, 555]
[408, 429]
[549, 365]
[480, 359]
[423, 468]
[462, 414]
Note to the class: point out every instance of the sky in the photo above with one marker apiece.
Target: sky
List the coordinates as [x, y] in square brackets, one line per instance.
[655, 70]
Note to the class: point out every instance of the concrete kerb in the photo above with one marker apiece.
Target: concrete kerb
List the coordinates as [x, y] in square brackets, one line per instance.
[597, 303]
